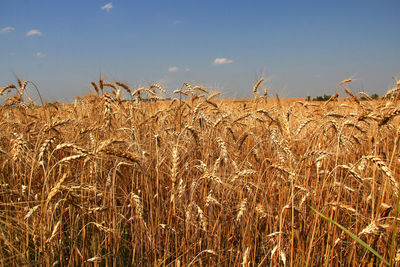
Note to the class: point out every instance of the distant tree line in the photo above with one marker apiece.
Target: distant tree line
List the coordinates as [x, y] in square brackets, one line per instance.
[327, 97]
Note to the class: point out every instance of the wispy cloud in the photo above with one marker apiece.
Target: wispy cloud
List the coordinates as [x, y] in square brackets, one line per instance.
[34, 32]
[177, 22]
[107, 7]
[6, 30]
[222, 60]
[173, 69]
[40, 54]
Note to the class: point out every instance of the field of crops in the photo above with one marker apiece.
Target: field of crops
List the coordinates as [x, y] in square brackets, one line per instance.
[198, 181]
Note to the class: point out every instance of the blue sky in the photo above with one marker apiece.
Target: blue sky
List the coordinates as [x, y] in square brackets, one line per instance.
[302, 47]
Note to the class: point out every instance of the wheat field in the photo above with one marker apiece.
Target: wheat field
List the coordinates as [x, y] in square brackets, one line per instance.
[196, 180]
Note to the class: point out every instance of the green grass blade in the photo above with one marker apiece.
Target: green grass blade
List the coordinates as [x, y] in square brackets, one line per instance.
[356, 238]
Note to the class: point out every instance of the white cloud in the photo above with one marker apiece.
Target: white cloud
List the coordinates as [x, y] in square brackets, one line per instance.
[173, 69]
[34, 32]
[222, 60]
[40, 54]
[177, 22]
[6, 30]
[107, 7]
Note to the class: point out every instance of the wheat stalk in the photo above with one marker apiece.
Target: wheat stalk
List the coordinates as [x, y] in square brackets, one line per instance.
[121, 154]
[255, 87]
[345, 81]
[126, 87]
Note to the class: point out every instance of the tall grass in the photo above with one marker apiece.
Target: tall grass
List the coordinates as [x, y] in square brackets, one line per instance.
[197, 180]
